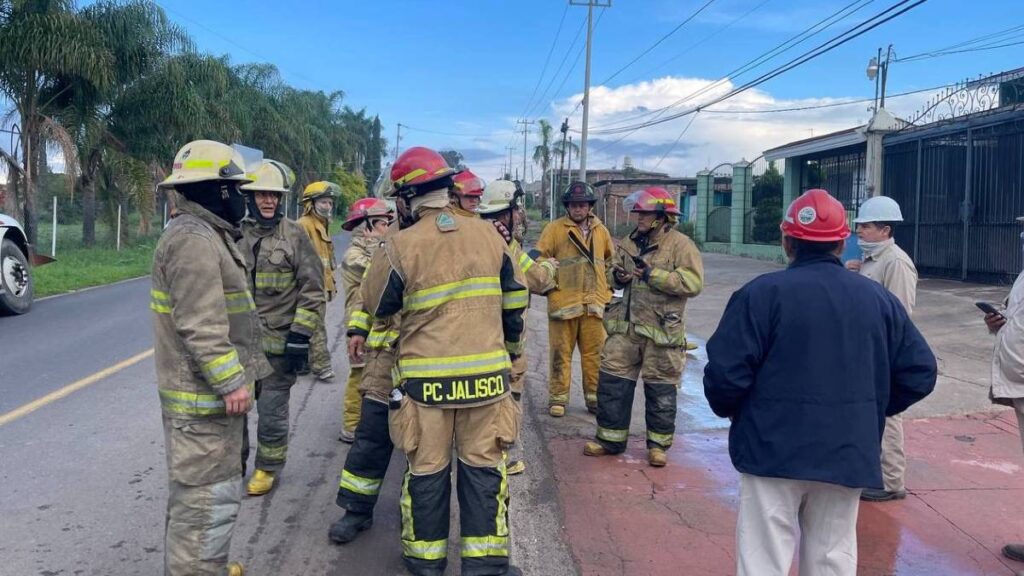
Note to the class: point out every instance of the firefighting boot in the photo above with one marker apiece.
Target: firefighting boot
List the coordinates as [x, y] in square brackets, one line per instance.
[592, 407]
[515, 467]
[349, 526]
[260, 483]
[690, 346]
[556, 410]
[656, 457]
[595, 449]
[236, 569]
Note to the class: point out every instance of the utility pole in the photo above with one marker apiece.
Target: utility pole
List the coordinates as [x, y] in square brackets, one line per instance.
[586, 79]
[398, 140]
[561, 165]
[510, 149]
[526, 129]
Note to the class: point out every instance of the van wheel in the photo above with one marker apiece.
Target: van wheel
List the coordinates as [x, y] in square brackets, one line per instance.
[15, 280]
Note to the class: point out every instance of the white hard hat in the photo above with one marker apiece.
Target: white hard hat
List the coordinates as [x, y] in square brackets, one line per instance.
[879, 209]
[497, 197]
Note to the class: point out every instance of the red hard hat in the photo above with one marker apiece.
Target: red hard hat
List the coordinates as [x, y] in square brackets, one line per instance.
[362, 209]
[655, 199]
[816, 217]
[418, 166]
[468, 184]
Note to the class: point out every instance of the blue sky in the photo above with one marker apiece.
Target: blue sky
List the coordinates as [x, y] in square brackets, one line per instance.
[469, 68]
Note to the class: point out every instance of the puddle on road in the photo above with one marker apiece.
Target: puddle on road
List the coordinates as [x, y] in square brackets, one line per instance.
[694, 412]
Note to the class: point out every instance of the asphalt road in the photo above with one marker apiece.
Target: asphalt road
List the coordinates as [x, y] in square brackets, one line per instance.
[83, 482]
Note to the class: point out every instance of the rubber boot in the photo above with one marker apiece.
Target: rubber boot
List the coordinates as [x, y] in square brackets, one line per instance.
[260, 483]
[656, 457]
[594, 449]
[236, 569]
[349, 526]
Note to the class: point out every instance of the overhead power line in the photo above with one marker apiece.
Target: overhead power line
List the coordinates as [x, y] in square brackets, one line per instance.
[864, 27]
[547, 60]
[822, 106]
[1012, 36]
[678, 138]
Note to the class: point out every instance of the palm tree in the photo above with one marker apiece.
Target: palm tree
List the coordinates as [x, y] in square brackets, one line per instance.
[40, 41]
[570, 149]
[542, 154]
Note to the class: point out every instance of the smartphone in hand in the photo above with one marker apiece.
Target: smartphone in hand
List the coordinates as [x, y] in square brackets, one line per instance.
[988, 308]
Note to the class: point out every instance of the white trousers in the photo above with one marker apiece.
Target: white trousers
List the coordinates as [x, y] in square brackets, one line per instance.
[774, 512]
[1018, 407]
[894, 459]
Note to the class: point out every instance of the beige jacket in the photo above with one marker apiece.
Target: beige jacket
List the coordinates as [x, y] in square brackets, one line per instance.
[461, 297]
[288, 279]
[316, 229]
[892, 268]
[1008, 356]
[206, 330]
[656, 307]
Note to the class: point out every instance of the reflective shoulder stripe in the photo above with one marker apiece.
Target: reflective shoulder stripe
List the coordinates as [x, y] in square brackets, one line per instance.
[515, 299]
[159, 302]
[438, 295]
[454, 365]
[307, 318]
[359, 319]
[222, 368]
[611, 435]
[239, 302]
[359, 484]
[191, 403]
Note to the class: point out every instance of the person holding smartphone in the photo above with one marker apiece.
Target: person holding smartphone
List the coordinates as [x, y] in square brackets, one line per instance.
[886, 263]
[1008, 366]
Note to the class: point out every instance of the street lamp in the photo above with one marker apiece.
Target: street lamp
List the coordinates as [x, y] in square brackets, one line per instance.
[878, 70]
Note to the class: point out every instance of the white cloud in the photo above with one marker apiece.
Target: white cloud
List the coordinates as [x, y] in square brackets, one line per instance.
[713, 138]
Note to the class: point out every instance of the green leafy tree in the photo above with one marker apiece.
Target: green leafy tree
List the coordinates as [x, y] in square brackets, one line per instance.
[766, 197]
[353, 187]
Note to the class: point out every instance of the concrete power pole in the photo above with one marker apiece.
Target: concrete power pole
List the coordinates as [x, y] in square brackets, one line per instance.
[398, 140]
[510, 149]
[526, 130]
[590, 4]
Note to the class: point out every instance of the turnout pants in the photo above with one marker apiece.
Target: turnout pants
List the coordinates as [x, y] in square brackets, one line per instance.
[319, 354]
[774, 512]
[368, 459]
[627, 357]
[894, 459]
[204, 493]
[273, 394]
[353, 399]
[563, 337]
[479, 434]
[517, 386]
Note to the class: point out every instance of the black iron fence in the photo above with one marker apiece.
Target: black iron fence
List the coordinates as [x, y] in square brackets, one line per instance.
[961, 186]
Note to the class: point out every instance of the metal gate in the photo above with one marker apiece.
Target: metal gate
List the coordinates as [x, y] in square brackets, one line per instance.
[961, 186]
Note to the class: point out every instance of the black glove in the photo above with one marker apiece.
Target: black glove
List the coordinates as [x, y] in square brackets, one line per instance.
[296, 350]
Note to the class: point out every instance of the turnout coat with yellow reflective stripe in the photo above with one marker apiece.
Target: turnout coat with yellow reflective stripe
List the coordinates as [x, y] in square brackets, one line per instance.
[582, 286]
[288, 281]
[655, 307]
[206, 331]
[316, 229]
[461, 296]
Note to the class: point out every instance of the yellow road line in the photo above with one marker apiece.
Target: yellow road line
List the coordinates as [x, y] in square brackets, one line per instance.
[73, 387]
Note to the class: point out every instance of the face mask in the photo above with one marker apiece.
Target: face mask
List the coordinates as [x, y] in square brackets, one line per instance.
[323, 212]
[871, 249]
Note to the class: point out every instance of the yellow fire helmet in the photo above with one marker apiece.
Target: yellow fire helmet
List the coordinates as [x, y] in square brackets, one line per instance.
[271, 176]
[321, 189]
[204, 160]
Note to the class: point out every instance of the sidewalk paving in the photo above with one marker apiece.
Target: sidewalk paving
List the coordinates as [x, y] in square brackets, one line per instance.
[623, 517]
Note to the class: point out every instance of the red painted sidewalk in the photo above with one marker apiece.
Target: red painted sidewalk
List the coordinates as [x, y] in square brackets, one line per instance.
[965, 478]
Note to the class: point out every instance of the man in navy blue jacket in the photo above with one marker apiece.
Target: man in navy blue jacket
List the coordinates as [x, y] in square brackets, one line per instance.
[807, 362]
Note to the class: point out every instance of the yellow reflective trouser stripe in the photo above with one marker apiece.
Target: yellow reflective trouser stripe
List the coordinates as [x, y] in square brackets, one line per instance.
[381, 339]
[691, 280]
[515, 299]
[275, 279]
[191, 403]
[159, 302]
[425, 549]
[501, 520]
[480, 546]
[271, 452]
[222, 368]
[611, 435]
[360, 485]
[525, 262]
[663, 439]
[438, 295]
[307, 318]
[359, 319]
[272, 343]
[239, 302]
[454, 365]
